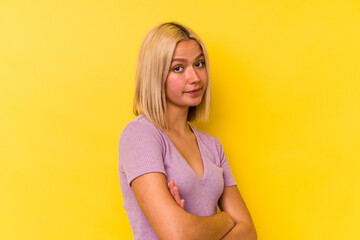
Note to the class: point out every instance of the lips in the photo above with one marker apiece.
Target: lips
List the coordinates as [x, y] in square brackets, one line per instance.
[194, 90]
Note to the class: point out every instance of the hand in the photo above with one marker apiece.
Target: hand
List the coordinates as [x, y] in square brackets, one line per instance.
[175, 193]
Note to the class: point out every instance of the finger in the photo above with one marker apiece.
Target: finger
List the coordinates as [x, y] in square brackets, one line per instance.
[182, 203]
[171, 187]
[177, 195]
[171, 183]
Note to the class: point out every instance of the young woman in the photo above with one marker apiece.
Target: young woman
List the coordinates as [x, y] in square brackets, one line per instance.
[172, 175]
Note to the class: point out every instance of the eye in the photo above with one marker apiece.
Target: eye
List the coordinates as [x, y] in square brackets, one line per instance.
[178, 69]
[200, 64]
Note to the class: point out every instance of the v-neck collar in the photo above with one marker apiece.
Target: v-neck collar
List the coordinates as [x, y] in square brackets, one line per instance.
[198, 141]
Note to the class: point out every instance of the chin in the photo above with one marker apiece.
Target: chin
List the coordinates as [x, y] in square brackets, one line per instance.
[194, 104]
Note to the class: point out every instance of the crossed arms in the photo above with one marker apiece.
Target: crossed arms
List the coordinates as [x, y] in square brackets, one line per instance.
[165, 212]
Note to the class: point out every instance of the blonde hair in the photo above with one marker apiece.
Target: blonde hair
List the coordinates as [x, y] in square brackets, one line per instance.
[152, 68]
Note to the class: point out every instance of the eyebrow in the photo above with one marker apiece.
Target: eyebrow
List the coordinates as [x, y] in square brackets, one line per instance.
[183, 60]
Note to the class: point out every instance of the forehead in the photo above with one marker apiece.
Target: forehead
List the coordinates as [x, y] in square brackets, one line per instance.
[187, 49]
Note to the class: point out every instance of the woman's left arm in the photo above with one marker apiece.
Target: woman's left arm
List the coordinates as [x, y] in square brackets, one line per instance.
[232, 203]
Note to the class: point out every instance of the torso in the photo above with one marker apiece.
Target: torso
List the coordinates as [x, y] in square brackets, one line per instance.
[144, 148]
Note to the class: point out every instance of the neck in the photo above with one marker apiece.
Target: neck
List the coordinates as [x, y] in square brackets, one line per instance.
[177, 120]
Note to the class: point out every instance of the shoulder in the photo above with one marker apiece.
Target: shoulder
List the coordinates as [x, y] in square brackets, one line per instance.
[142, 129]
[139, 122]
[141, 149]
[140, 125]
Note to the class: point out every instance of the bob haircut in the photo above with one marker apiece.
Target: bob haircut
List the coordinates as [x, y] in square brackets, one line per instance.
[152, 69]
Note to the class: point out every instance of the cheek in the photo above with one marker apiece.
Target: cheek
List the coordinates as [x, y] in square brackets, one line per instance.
[173, 86]
[203, 76]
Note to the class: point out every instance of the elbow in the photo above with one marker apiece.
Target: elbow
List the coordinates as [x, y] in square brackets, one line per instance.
[253, 236]
[179, 237]
[182, 231]
[252, 233]
[177, 231]
[247, 231]
[176, 235]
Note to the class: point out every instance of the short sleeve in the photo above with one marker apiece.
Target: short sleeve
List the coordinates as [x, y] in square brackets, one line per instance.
[140, 150]
[224, 164]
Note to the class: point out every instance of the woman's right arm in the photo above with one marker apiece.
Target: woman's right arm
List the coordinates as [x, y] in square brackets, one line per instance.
[168, 219]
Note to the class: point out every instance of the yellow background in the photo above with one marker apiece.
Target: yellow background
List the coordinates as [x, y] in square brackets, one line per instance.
[286, 107]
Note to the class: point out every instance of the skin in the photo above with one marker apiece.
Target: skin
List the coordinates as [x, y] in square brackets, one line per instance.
[175, 193]
[159, 200]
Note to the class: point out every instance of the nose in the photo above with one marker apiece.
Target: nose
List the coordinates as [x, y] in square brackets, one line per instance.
[193, 76]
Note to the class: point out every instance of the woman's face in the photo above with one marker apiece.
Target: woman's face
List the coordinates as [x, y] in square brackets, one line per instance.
[187, 79]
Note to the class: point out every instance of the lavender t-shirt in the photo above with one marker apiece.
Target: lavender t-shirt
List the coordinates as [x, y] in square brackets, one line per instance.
[144, 148]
